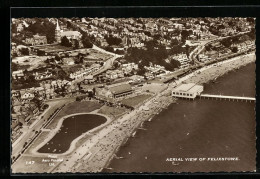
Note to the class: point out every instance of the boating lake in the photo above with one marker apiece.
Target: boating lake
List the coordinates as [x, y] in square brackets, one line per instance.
[72, 127]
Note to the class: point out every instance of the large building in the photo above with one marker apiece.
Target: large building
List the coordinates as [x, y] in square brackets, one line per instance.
[59, 33]
[115, 90]
[190, 91]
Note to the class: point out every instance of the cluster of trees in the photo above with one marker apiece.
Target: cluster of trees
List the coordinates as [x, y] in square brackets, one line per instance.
[24, 51]
[14, 66]
[113, 40]
[86, 41]
[111, 49]
[65, 42]
[44, 27]
[153, 54]
[185, 34]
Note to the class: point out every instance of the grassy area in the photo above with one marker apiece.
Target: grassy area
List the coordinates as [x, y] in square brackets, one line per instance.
[133, 101]
[111, 111]
[74, 107]
[54, 48]
[39, 140]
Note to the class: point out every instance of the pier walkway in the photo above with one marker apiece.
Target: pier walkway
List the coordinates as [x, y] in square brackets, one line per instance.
[233, 98]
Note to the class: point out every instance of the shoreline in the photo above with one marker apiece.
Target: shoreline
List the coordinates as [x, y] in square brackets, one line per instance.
[233, 63]
[97, 152]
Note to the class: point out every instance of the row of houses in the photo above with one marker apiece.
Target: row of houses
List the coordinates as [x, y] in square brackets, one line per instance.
[183, 59]
[81, 72]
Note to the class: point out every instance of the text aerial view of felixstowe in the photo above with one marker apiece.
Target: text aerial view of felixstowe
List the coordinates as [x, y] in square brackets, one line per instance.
[94, 95]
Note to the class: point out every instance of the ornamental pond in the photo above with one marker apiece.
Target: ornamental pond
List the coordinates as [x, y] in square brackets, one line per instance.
[71, 128]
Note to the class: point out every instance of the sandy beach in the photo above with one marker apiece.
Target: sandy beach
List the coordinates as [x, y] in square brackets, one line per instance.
[95, 153]
[98, 151]
[214, 71]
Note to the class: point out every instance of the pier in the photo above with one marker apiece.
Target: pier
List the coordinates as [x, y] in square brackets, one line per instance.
[230, 98]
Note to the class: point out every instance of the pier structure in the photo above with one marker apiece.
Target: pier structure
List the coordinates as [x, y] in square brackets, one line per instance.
[189, 91]
[230, 98]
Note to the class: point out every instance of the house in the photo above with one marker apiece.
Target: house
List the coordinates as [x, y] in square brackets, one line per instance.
[136, 79]
[26, 95]
[15, 93]
[36, 40]
[71, 34]
[68, 61]
[89, 79]
[18, 74]
[20, 27]
[149, 75]
[151, 26]
[43, 75]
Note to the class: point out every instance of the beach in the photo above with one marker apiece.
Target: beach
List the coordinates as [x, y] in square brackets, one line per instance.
[98, 150]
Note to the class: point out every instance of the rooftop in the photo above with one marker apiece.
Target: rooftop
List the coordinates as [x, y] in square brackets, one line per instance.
[190, 87]
[120, 88]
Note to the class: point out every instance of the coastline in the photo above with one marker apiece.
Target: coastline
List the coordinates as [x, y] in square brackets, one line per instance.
[201, 76]
[96, 153]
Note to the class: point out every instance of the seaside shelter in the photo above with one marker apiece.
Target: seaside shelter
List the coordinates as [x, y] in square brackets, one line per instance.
[189, 91]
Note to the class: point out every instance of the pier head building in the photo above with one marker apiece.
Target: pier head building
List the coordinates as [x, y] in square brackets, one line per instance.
[189, 91]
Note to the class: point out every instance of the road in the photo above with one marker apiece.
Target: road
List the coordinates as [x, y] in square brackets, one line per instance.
[202, 45]
[29, 132]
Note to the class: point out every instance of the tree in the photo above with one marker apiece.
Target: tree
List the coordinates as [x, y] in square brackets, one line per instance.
[86, 42]
[174, 42]
[40, 53]
[65, 42]
[69, 25]
[234, 49]
[75, 44]
[24, 51]
[226, 42]
[184, 35]
[251, 34]
[208, 47]
[175, 63]
[113, 40]
[44, 27]
[14, 66]
[14, 28]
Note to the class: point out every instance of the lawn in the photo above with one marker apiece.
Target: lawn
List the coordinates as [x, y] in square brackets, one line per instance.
[54, 48]
[74, 107]
[133, 101]
[111, 111]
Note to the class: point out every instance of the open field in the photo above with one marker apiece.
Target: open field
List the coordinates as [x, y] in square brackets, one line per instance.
[153, 87]
[53, 48]
[30, 62]
[111, 111]
[133, 101]
[94, 54]
[74, 107]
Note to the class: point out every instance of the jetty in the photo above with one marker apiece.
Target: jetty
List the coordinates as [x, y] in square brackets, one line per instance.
[230, 98]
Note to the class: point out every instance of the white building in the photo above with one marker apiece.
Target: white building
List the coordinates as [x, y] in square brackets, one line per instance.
[190, 91]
